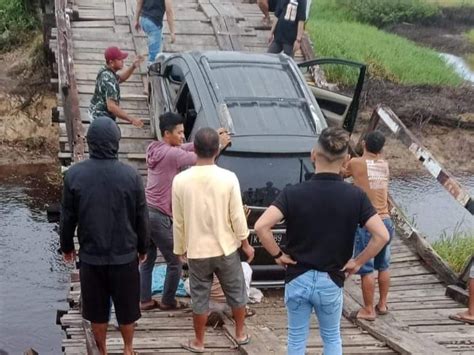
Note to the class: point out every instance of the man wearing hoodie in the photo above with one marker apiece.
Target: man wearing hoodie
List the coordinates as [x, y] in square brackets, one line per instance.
[106, 99]
[165, 159]
[105, 200]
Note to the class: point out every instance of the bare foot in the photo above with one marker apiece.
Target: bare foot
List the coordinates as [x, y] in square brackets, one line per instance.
[363, 314]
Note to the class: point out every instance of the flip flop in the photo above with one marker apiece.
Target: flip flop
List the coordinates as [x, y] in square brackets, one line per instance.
[245, 341]
[179, 305]
[380, 312]
[249, 312]
[355, 315]
[154, 305]
[459, 318]
[189, 347]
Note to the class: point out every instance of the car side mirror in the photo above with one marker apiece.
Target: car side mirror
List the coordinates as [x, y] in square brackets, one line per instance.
[154, 69]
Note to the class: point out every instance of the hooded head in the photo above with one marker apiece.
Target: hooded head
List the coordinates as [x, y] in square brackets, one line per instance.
[103, 138]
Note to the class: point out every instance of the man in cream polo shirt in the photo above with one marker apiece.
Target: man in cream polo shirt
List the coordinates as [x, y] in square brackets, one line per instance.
[209, 227]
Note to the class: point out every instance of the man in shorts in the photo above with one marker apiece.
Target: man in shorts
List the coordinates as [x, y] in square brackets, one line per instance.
[209, 226]
[104, 198]
[467, 316]
[370, 172]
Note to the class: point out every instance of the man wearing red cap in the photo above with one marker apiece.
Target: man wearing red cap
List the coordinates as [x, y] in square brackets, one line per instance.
[106, 98]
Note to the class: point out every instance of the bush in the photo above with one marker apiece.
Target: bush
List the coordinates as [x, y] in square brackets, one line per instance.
[455, 249]
[386, 12]
[17, 19]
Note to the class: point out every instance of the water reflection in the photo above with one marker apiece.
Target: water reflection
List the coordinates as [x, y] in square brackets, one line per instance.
[430, 206]
[33, 279]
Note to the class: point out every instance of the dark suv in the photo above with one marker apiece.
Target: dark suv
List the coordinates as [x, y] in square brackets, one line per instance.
[273, 115]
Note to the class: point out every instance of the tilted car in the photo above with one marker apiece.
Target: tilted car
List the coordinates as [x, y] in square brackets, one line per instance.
[272, 113]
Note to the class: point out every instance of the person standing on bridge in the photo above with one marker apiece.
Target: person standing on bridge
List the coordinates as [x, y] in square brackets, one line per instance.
[287, 32]
[322, 215]
[467, 316]
[149, 17]
[105, 200]
[165, 159]
[209, 227]
[106, 99]
[370, 172]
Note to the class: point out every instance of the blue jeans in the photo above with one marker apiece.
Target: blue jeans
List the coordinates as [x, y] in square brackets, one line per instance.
[313, 290]
[161, 234]
[155, 37]
[381, 262]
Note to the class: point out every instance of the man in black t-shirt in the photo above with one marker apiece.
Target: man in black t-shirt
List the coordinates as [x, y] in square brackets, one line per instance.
[321, 216]
[149, 17]
[287, 31]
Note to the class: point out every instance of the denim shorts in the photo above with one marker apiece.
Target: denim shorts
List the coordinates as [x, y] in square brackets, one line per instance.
[155, 37]
[381, 262]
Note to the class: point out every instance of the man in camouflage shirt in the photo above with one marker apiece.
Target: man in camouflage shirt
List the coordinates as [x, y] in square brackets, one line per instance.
[106, 98]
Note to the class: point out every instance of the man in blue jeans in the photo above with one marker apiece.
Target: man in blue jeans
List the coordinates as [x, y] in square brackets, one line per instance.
[322, 215]
[149, 17]
[370, 172]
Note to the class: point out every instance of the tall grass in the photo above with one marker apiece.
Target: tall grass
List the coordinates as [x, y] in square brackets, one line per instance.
[455, 249]
[335, 34]
[451, 3]
[470, 35]
[17, 19]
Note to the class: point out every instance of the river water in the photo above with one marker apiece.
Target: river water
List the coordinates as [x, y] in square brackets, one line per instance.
[34, 280]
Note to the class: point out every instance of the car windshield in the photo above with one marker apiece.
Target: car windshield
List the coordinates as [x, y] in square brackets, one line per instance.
[264, 99]
[262, 177]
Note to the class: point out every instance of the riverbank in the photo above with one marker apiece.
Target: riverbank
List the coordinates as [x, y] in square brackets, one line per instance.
[27, 135]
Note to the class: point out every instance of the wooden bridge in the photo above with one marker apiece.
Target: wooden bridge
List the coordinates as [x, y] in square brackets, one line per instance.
[418, 321]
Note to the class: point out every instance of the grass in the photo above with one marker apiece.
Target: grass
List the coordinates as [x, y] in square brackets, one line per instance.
[17, 20]
[450, 3]
[335, 34]
[470, 35]
[455, 249]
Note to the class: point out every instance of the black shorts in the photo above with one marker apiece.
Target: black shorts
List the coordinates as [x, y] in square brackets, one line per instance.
[101, 284]
[272, 5]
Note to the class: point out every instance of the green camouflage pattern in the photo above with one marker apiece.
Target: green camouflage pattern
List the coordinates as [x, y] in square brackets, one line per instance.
[106, 87]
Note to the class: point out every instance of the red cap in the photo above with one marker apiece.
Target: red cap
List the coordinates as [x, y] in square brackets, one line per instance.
[113, 53]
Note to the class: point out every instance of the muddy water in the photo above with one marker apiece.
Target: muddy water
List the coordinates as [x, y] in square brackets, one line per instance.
[34, 280]
[431, 208]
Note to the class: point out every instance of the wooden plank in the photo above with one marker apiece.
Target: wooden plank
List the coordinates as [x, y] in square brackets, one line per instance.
[457, 293]
[389, 329]
[234, 33]
[220, 30]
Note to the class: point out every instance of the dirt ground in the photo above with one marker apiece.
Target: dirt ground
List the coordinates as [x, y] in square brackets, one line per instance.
[444, 34]
[433, 114]
[26, 133]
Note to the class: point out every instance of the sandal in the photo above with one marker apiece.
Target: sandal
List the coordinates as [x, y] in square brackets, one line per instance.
[460, 318]
[176, 307]
[189, 347]
[244, 341]
[153, 305]
[380, 312]
[249, 312]
[355, 316]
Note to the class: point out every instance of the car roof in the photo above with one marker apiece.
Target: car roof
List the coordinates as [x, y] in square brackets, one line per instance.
[270, 108]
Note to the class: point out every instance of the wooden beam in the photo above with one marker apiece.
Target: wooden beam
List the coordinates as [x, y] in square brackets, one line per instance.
[393, 332]
[91, 345]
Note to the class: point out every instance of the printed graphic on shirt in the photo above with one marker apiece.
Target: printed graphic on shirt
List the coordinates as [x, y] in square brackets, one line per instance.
[291, 10]
[377, 173]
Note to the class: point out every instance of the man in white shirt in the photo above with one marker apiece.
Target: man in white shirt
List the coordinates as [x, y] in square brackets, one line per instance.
[209, 227]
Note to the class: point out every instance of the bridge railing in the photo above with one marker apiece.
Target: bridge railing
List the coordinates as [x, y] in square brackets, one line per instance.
[67, 80]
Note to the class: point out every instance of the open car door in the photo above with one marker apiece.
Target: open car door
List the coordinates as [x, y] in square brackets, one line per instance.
[339, 103]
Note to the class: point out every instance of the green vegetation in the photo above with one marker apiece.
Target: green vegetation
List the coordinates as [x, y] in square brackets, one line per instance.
[455, 249]
[386, 12]
[17, 20]
[450, 3]
[470, 35]
[335, 33]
